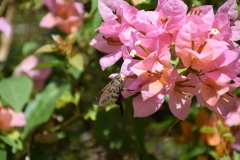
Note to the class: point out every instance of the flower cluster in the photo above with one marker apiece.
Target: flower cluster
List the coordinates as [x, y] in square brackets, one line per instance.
[68, 16]
[170, 51]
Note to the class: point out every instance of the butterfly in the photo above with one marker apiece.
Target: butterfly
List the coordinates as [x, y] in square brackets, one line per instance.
[111, 93]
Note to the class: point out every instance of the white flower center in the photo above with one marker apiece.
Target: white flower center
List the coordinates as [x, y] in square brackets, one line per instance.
[214, 31]
[133, 53]
[137, 43]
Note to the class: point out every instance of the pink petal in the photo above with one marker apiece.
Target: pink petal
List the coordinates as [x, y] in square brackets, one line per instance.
[211, 91]
[5, 27]
[236, 144]
[79, 7]
[18, 119]
[106, 8]
[178, 105]
[110, 59]
[236, 31]
[221, 22]
[229, 7]
[224, 68]
[48, 21]
[148, 107]
[5, 119]
[127, 65]
[101, 44]
[223, 107]
[151, 89]
[51, 4]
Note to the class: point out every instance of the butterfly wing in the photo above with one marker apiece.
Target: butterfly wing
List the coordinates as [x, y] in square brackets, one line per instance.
[109, 94]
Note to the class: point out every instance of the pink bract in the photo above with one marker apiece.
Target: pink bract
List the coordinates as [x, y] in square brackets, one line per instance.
[171, 52]
[9, 118]
[37, 75]
[68, 16]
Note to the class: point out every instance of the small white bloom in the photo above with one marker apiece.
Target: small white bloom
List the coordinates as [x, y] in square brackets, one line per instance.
[188, 96]
[122, 76]
[137, 43]
[133, 53]
[214, 31]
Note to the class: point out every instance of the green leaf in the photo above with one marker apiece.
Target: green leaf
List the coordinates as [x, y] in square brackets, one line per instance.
[145, 6]
[48, 64]
[94, 6]
[236, 155]
[174, 62]
[16, 143]
[16, 91]
[96, 21]
[28, 47]
[214, 154]
[92, 113]
[47, 48]
[3, 152]
[208, 129]
[225, 158]
[40, 109]
[74, 72]
[229, 137]
[221, 126]
[182, 71]
[77, 61]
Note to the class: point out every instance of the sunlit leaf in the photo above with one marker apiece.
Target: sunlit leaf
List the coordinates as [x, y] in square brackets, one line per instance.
[47, 48]
[236, 155]
[40, 109]
[71, 38]
[221, 126]
[77, 61]
[12, 142]
[175, 62]
[225, 158]
[16, 91]
[209, 130]
[229, 137]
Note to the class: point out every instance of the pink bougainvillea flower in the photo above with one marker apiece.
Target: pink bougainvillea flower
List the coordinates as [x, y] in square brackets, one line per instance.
[143, 108]
[5, 27]
[181, 91]
[233, 118]
[155, 69]
[37, 75]
[115, 31]
[172, 13]
[221, 24]
[167, 51]
[212, 90]
[9, 118]
[224, 68]
[236, 31]
[229, 8]
[68, 16]
[194, 49]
